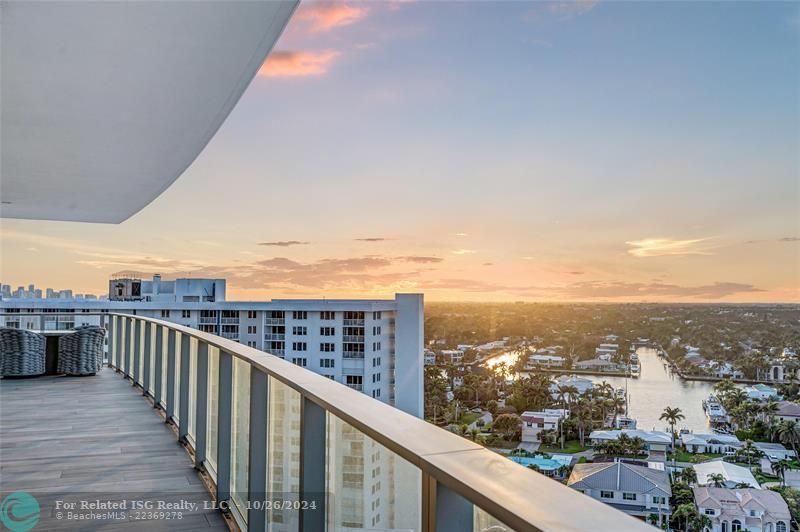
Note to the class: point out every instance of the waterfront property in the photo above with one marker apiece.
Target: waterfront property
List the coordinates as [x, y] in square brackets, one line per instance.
[600, 365]
[711, 443]
[761, 392]
[744, 509]
[654, 440]
[636, 490]
[581, 384]
[733, 475]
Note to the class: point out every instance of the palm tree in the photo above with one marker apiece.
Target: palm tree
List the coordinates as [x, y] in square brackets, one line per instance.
[701, 522]
[749, 450]
[716, 479]
[672, 416]
[685, 512]
[565, 395]
[779, 468]
[787, 433]
[689, 475]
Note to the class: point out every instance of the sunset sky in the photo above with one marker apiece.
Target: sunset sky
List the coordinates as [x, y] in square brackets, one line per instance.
[483, 151]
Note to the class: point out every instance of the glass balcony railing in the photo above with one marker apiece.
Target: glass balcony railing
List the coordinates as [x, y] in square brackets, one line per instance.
[261, 427]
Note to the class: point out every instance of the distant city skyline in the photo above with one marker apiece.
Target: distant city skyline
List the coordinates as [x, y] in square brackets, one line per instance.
[548, 151]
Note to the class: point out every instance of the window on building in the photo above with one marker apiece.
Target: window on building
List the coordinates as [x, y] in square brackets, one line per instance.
[708, 511]
[327, 363]
[354, 381]
[736, 525]
[299, 315]
[251, 343]
[186, 314]
[376, 315]
[724, 526]
[299, 330]
[251, 329]
[327, 347]
[627, 496]
[606, 494]
[327, 315]
[780, 526]
[299, 346]
[299, 361]
[327, 331]
[165, 313]
[354, 315]
[251, 314]
[376, 346]
[659, 500]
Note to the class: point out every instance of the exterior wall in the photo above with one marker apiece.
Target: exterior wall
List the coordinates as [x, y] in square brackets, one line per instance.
[643, 501]
[409, 338]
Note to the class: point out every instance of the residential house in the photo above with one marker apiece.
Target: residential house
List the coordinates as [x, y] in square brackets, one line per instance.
[453, 356]
[745, 509]
[700, 442]
[581, 384]
[788, 411]
[547, 361]
[535, 422]
[654, 440]
[429, 358]
[636, 490]
[733, 474]
[598, 365]
[761, 392]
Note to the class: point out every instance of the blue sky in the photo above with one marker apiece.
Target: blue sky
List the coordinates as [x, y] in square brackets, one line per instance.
[491, 150]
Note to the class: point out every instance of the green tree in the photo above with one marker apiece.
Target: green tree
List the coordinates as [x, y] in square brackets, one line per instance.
[508, 425]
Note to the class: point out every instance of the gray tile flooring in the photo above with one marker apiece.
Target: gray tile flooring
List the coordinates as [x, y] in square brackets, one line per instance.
[88, 438]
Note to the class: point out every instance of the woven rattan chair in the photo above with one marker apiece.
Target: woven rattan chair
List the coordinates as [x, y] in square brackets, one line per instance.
[22, 353]
[81, 352]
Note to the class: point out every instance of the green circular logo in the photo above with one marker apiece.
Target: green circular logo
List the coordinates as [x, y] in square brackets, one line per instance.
[19, 511]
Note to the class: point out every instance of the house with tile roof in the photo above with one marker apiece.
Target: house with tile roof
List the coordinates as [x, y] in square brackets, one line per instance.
[636, 490]
[740, 510]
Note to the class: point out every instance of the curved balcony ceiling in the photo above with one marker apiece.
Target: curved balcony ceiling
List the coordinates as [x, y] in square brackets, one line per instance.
[105, 104]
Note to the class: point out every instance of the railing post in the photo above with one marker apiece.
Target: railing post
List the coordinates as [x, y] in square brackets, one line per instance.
[428, 503]
[454, 513]
[118, 353]
[159, 363]
[137, 347]
[148, 355]
[201, 404]
[128, 348]
[312, 465]
[257, 466]
[111, 340]
[224, 426]
[183, 391]
[170, 410]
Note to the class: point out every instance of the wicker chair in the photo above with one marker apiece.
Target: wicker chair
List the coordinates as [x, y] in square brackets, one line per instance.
[22, 353]
[81, 352]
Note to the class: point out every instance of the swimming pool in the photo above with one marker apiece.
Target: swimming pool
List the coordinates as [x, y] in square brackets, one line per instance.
[545, 464]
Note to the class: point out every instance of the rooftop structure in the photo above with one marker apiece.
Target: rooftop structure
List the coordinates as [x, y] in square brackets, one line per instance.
[654, 440]
[699, 442]
[743, 509]
[732, 473]
[633, 489]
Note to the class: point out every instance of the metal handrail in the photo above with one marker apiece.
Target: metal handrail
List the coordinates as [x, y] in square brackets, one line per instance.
[456, 473]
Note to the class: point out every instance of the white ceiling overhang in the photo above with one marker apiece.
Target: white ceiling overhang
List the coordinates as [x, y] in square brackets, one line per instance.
[104, 104]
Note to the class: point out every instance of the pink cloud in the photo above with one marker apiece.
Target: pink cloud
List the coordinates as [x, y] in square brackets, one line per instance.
[284, 64]
[324, 16]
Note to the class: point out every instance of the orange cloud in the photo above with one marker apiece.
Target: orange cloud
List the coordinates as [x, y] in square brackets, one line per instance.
[282, 64]
[324, 16]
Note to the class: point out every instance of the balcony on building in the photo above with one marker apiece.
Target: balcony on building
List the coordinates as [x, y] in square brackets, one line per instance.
[104, 106]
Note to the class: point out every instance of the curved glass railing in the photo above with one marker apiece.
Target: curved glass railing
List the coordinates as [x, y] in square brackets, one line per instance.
[267, 431]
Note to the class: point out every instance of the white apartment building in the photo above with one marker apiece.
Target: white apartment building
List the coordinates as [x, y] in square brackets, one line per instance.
[374, 346]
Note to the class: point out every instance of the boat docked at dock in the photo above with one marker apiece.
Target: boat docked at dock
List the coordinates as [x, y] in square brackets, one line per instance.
[715, 411]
